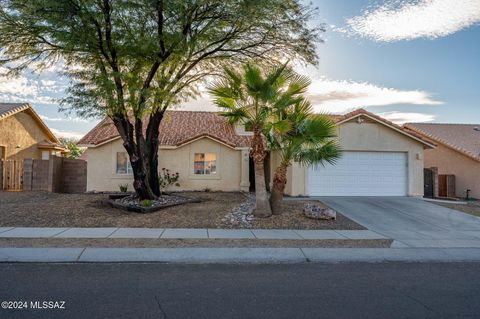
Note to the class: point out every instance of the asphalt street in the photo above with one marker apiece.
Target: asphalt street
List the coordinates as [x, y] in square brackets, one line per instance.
[334, 290]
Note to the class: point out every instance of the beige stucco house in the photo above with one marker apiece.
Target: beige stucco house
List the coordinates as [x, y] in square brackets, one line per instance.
[457, 153]
[201, 146]
[379, 158]
[23, 134]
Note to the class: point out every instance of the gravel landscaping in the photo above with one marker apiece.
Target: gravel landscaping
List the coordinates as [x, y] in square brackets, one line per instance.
[178, 243]
[42, 209]
[472, 208]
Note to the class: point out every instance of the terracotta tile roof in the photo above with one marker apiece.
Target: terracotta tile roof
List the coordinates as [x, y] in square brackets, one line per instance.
[7, 109]
[464, 138]
[347, 116]
[180, 127]
[177, 128]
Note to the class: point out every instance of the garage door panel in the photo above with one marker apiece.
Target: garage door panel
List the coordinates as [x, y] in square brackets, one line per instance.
[361, 174]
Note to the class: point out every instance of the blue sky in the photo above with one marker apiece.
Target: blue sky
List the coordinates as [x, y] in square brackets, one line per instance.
[413, 60]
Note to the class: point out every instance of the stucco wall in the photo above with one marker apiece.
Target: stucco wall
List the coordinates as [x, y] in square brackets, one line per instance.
[465, 169]
[101, 175]
[21, 129]
[368, 137]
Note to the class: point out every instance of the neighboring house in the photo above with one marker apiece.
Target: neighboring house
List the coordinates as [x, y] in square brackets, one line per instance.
[23, 134]
[457, 153]
[379, 159]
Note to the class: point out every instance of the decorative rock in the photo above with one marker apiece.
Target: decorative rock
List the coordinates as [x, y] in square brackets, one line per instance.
[242, 215]
[132, 203]
[316, 212]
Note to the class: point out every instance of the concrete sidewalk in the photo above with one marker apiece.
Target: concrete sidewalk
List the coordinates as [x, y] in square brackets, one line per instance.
[184, 233]
[239, 255]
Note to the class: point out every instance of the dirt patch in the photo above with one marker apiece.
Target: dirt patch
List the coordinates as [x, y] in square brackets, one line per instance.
[472, 208]
[42, 209]
[179, 243]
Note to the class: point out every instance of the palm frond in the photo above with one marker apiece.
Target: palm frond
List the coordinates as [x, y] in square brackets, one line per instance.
[329, 152]
[253, 78]
[236, 115]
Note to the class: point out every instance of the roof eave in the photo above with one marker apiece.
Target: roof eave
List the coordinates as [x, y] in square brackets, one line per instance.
[425, 143]
[444, 143]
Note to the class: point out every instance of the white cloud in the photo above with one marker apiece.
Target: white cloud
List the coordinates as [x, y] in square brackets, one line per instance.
[340, 96]
[29, 88]
[63, 119]
[407, 117]
[412, 19]
[66, 134]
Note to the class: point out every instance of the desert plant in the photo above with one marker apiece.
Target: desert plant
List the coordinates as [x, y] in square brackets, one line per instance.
[249, 97]
[146, 203]
[166, 179]
[123, 188]
[309, 140]
[71, 144]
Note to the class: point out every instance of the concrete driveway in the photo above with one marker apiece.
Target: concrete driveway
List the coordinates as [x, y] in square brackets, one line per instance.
[410, 221]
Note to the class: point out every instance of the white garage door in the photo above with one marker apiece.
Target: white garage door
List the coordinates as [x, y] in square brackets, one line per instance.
[361, 174]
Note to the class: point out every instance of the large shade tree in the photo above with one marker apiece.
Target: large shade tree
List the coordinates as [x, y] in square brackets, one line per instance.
[132, 59]
[306, 138]
[250, 96]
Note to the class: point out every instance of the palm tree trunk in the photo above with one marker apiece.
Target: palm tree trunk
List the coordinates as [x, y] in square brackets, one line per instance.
[262, 208]
[278, 187]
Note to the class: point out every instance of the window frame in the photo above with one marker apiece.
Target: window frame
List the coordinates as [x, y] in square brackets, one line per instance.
[205, 155]
[128, 169]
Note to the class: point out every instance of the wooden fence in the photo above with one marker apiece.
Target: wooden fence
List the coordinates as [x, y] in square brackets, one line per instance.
[12, 175]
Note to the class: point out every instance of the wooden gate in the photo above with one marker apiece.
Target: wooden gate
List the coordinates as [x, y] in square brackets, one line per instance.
[446, 185]
[428, 183]
[12, 175]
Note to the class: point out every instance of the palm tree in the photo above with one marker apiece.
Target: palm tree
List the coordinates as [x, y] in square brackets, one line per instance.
[249, 97]
[310, 140]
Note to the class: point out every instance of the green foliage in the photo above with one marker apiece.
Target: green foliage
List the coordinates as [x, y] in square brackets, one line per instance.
[250, 95]
[166, 179]
[71, 145]
[123, 188]
[146, 203]
[310, 139]
[144, 55]
[132, 59]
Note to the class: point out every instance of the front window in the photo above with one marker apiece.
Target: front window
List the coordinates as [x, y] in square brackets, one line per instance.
[205, 163]
[123, 163]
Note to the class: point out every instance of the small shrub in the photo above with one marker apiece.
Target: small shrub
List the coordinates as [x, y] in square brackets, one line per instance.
[166, 179]
[123, 188]
[146, 203]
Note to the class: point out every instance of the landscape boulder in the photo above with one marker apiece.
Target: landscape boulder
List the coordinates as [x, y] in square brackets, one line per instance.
[317, 212]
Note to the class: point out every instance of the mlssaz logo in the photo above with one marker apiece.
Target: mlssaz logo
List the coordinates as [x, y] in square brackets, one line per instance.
[47, 304]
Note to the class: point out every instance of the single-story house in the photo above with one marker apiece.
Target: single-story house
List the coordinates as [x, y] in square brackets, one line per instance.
[457, 153]
[23, 134]
[379, 158]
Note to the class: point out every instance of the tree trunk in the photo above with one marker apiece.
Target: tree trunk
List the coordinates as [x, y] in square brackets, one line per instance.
[143, 153]
[262, 207]
[278, 187]
[141, 177]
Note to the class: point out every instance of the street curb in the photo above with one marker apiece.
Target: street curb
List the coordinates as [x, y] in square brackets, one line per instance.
[236, 255]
